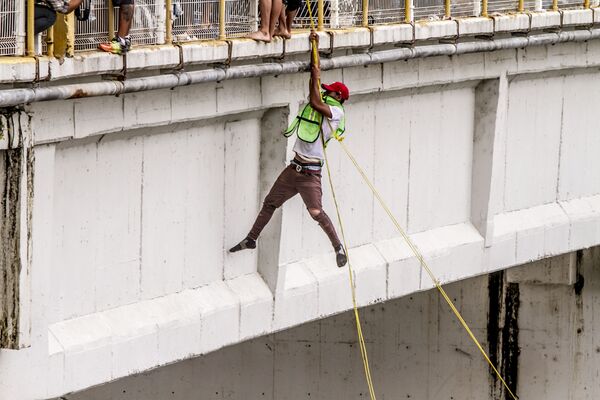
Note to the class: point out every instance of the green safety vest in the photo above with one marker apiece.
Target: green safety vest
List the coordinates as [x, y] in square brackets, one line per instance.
[307, 124]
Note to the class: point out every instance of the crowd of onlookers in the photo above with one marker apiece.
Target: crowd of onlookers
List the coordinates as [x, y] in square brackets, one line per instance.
[276, 19]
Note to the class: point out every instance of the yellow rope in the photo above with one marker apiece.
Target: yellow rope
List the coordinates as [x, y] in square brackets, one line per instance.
[361, 339]
[415, 250]
[424, 264]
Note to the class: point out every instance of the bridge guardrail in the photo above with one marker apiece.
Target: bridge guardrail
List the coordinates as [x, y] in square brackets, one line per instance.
[12, 27]
[190, 20]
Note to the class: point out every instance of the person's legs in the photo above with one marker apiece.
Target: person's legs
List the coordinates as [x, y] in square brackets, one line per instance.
[44, 18]
[289, 19]
[125, 18]
[276, 6]
[121, 42]
[311, 192]
[283, 189]
[281, 29]
[286, 18]
[269, 12]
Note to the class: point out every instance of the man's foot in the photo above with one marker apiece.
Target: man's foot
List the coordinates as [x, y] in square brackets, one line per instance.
[282, 33]
[340, 256]
[117, 45]
[260, 36]
[247, 243]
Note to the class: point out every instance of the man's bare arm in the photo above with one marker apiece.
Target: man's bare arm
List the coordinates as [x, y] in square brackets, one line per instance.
[73, 4]
[314, 90]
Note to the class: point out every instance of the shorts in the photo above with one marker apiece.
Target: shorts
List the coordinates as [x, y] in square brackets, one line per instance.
[292, 5]
[118, 3]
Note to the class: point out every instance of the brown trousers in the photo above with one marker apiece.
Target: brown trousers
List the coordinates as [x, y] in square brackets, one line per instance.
[288, 184]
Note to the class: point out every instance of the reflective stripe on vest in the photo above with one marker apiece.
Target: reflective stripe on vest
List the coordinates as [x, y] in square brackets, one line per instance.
[307, 124]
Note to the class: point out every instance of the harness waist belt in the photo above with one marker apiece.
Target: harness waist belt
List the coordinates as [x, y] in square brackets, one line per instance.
[306, 164]
[307, 168]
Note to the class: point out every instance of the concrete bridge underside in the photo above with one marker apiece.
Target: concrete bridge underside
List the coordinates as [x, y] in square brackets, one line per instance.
[488, 159]
[537, 320]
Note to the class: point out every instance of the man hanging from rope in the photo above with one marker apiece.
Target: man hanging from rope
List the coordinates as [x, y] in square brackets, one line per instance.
[319, 121]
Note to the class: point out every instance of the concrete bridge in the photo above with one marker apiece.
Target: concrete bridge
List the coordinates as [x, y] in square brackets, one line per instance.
[117, 212]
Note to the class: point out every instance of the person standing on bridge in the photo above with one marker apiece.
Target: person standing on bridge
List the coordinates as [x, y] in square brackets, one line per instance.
[121, 43]
[319, 121]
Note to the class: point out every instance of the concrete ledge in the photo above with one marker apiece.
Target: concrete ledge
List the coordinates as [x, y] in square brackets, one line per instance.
[296, 300]
[596, 13]
[584, 218]
[452, 252]
[511, 23]
[404, 270]
[23, 69]
[125, 340]
[543, 20]
[17, 69]
[475, 26]
[204, 52]
[84, 64]
[107, 345]
[256, 305]
[388, 34]
[299, 43]
[351, 38]
[425, 30]
[152, 57]
[247, 48]
[577, 17]
[543, 231]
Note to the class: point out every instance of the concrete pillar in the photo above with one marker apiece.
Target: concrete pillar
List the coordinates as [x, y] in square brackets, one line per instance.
[490, 116]
[272, 161]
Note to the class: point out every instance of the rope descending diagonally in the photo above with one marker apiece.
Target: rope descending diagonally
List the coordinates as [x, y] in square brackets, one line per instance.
[414, 249]
[425, 266]
[361, 338]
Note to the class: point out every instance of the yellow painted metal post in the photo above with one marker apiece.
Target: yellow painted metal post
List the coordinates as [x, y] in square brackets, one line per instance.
[50, 42]
[320, 9]
[111, 20]
[64, 35]
[554, 5]
[521, 5]
[484, 8]
[169, 22]
[365, 20]
[30, 28]
[447, 11]
[222, 34]
[586, 3]
[408, 11]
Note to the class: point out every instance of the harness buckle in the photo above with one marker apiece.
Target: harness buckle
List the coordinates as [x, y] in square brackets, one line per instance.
[298, 168]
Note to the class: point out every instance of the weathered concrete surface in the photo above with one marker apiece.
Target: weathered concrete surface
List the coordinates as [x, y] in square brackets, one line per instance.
[537, 323]
[11, 175]
[132, 216]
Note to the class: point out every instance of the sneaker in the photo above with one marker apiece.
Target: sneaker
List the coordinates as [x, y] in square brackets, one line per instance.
[247, 243]
[127, 40]
[116, 46]
[340, 256]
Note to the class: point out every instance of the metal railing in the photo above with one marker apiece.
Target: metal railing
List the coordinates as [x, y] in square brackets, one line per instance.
[166, 21]
[148, 24]
[12, 27]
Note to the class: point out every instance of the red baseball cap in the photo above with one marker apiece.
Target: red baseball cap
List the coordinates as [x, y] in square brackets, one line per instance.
[337, 87]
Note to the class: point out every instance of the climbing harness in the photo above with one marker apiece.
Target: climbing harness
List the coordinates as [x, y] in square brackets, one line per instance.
[414, 249]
